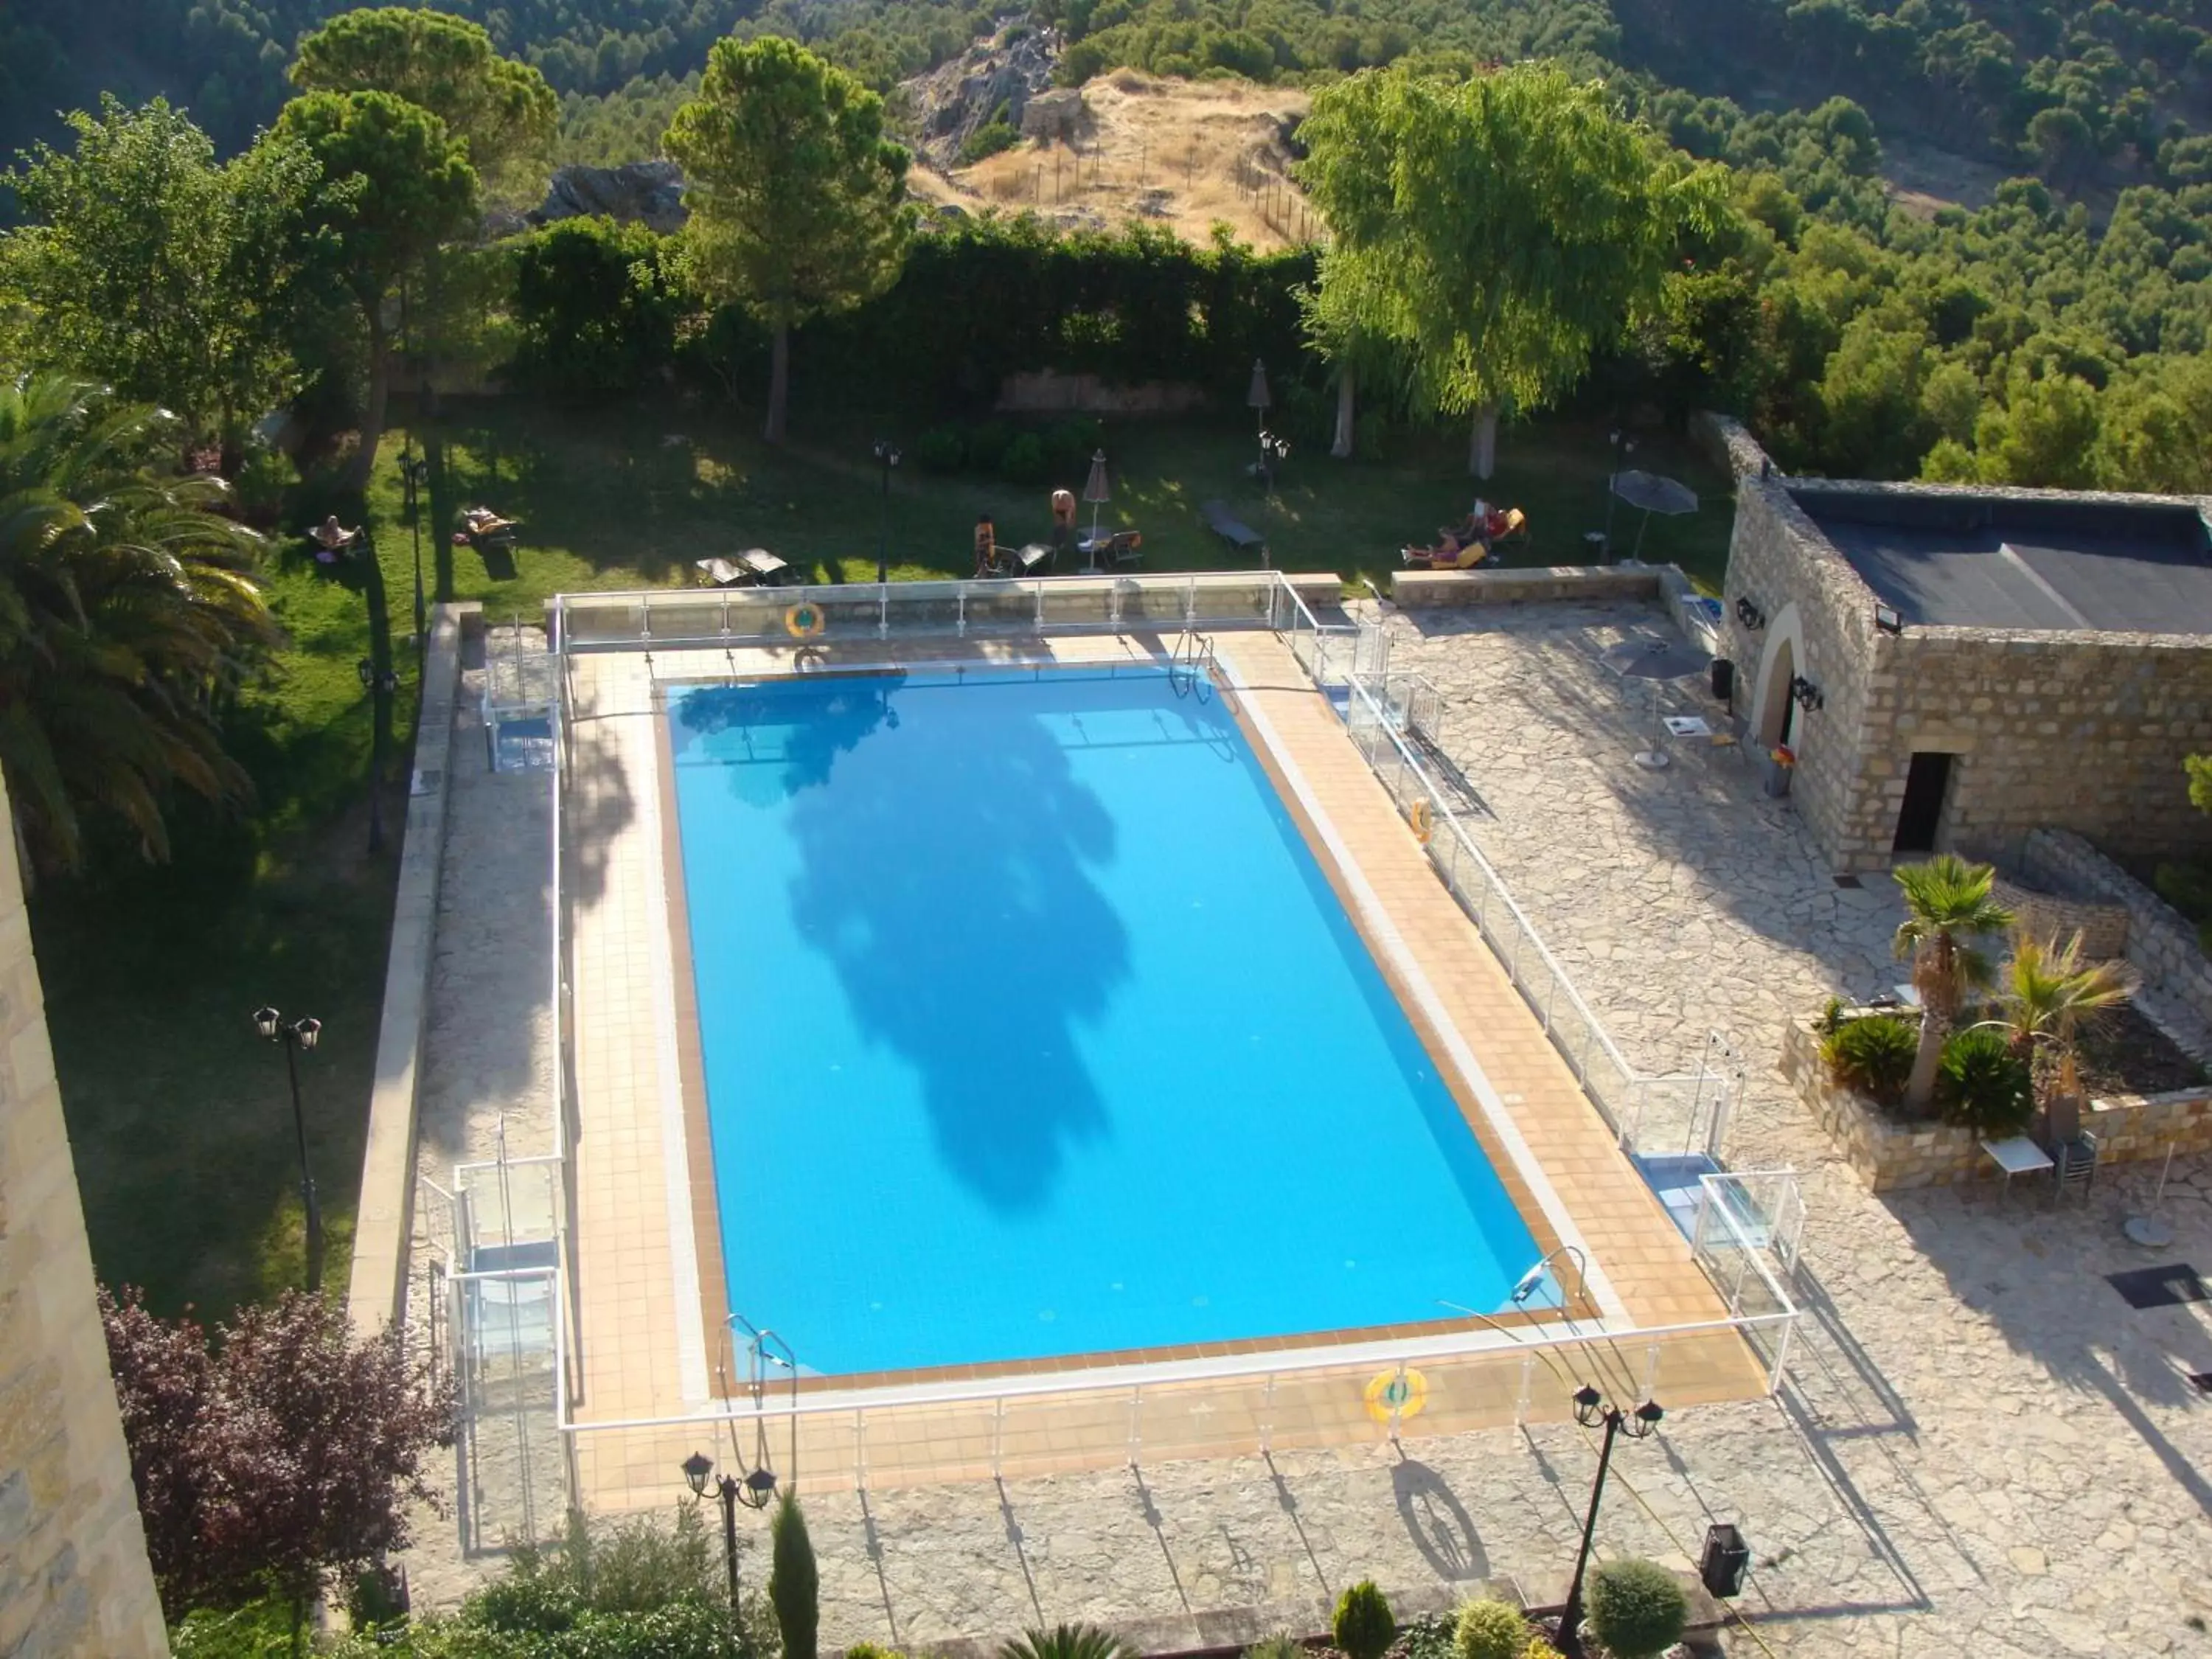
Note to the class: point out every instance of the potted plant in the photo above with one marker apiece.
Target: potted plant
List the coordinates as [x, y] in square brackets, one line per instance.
[1781, 761]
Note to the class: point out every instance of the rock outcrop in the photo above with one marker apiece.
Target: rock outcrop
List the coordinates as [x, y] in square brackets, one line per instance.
[650, 193]
[1004, 70]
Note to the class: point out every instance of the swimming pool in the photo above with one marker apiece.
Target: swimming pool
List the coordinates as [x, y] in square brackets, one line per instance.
[1030, 1028]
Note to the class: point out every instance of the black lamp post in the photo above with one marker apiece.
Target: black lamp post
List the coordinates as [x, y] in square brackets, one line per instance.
[296, 1035]
[413, 473]
[380, 683]
[696, 1470]
[887, 456]
[1592, 1408]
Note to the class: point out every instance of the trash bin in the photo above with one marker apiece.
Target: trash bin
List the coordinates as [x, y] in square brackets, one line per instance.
[1777, 779]
[1726, 1559]
[1723, 680]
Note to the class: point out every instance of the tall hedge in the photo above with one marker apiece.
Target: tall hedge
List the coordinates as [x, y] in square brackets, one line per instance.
[794, 1583]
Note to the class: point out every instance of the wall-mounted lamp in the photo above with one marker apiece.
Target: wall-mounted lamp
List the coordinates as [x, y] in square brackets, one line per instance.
[1749, 614]
[1887, 618]
[1807, 694]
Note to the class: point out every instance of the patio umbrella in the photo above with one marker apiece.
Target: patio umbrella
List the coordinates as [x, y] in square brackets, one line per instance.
[1653, 494]
[1094, 491]
[1655, 661]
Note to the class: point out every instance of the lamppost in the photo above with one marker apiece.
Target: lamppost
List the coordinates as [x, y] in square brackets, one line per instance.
[1592, 1408]
[887, 456]
[297, 1035]
[380, 683]
[696, 1470]
[1622, 445]
[413, 474]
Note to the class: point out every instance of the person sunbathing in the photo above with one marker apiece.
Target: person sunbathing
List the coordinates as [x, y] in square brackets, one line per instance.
[1449, 553]
[483, 521]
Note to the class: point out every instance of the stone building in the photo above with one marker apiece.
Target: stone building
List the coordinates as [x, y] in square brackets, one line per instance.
[1952, 667]
[73, 1574]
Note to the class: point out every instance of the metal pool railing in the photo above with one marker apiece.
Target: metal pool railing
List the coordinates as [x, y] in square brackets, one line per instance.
[1378, 730]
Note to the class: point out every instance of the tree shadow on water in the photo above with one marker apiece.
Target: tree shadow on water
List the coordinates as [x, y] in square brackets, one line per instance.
[951, 891]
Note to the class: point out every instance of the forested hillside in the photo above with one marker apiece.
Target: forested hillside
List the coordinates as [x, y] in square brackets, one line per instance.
[2111, 93]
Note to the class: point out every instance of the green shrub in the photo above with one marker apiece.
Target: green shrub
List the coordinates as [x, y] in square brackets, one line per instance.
[987, 443]
[1281, 1645]
[1982, 1084]
[1363, 1627]
[987, 140]
[940, 450]
[1490, 1630]
[870, 1650]
[1831, 1017]
[793, 1585]
[1025, 461]
[1636, 1607]
[1071, 444]
[260, 487]
[1873, 1054]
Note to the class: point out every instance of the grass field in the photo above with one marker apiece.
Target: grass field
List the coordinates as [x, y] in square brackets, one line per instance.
[180, 1115]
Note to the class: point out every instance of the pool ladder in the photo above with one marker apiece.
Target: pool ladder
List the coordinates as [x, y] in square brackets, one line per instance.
[764, 1350]
[1192, 665]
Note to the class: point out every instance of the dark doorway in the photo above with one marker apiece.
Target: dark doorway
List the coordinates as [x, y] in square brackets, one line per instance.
[1925, 783]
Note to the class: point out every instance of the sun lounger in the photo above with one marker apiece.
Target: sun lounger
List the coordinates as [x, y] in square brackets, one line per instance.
[1233, 530]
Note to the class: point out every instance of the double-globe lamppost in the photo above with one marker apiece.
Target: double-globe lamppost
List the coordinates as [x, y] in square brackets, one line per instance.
[295, 1036]
[1592, 1408]
[887, 457]
[754, 1492]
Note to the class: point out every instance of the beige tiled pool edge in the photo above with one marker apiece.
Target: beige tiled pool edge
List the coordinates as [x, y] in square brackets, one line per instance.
[643, 1201]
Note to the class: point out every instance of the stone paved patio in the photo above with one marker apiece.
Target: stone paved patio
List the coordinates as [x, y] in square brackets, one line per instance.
[1983, 1450]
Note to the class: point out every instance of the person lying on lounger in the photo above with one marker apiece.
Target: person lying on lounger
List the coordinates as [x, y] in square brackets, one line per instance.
[1449, 553]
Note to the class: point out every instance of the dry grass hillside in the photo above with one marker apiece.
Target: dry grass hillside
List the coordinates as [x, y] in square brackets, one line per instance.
[1181, 153]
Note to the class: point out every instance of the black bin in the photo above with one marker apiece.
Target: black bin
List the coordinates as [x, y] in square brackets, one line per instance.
[1726, 1559]
[1723, 679]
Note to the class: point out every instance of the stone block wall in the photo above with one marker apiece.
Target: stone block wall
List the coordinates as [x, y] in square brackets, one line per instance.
[1817, 624]
[1887, 1153]
[2161, 943]
[1414, 589]
[2103, 928]
[73, 1573]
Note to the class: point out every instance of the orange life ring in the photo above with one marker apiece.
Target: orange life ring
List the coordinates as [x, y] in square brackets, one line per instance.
[804, 621]
[1418, 815]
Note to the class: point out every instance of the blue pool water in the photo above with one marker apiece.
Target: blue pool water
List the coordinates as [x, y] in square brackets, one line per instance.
[1031, 1028]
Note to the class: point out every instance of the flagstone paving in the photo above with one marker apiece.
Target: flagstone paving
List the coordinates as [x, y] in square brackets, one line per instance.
[1981, 1451]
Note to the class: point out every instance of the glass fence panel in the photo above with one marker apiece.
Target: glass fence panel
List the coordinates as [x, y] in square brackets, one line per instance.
[849, 610]
[1077, 604]
[925, 607]
[1154, 603]
[1001, 607]
[683, 617]
[924, 1445]
[602, 621]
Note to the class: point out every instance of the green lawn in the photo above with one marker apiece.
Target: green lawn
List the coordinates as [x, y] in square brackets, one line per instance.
[180, 1116]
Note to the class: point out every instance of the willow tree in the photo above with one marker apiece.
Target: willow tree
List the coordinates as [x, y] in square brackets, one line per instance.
[797, 200]
[1496, 231]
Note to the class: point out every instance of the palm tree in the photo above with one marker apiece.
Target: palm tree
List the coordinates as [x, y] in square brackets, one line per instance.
[1067, 1641]
[2047, 990]
[1947, 902]
[126, 612]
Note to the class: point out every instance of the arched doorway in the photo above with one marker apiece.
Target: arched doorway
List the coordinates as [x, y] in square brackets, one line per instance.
[1774, 714]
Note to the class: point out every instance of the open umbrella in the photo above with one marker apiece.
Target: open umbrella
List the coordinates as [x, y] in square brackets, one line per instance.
[1653, 494]
[1657, 661]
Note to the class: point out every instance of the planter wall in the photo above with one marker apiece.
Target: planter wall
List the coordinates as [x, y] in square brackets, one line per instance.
[1889, 1154]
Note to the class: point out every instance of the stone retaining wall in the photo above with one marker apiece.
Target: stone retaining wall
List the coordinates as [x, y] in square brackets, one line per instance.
[1729, 445]
[1047, 392]
[1888, 1154]
[377, 1293]
[2161, 943]
[2103, 928]
[1417, 589]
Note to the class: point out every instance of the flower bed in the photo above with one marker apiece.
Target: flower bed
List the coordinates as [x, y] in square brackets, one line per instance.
[1888, 1152]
